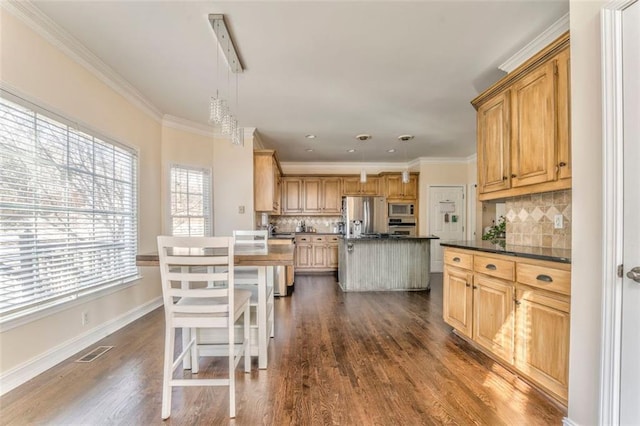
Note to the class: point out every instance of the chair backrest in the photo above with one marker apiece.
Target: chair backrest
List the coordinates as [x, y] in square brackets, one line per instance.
[187, 264]
[256, 239]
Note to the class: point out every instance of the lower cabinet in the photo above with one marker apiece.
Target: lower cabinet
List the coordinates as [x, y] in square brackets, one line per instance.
[515, 310]
[315, 253]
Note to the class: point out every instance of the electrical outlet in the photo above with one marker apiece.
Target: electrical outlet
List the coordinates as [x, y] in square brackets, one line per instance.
[557, 221]
[241, 209]
[85, 318]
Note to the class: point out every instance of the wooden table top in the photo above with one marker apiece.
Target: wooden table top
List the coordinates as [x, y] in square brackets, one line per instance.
[276, 255]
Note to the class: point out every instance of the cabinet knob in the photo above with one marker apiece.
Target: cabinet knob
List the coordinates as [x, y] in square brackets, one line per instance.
[504, 178]
[562, 164]
[456, 259]
[467, 284]
[475, 287]
[491, 267]
[514, 176]
[516, 301]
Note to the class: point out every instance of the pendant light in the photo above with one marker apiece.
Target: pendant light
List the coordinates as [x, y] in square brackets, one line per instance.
[363, 173]
[405, 172]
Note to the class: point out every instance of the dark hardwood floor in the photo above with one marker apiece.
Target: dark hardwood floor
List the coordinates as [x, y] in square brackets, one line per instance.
[337, 358]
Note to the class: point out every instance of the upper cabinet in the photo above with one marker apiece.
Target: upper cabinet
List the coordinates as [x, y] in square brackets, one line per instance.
[351, 185]
[523, 127]
[266, 181]
[395, 189]
[322, 195]
[291, 195]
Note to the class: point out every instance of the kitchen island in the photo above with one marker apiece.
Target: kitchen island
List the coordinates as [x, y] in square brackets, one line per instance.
[384, 263]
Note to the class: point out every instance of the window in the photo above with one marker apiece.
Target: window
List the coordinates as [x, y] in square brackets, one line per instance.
[67, 211]
[190, 201]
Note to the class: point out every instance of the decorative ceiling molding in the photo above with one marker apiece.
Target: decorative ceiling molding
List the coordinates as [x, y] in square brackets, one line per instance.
[28, 13]
[178, 123]
[537, 44]
[446, 160]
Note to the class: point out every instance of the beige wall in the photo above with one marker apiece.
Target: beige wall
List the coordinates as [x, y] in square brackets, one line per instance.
[53, 80]
[586, 267]
[232, 185]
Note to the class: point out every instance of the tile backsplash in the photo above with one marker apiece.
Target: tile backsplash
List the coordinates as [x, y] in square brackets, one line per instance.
[320, 223]
[530, 219]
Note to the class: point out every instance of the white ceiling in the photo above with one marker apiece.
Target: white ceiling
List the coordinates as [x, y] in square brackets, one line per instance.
[330, 68]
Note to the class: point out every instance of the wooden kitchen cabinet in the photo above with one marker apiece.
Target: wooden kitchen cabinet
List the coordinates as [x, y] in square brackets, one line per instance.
[322, 195]
[351, 185]
[493, 319]
[523, 126]
[517, 311]
[395, 189]
[493, 144]
[292, 191]
[318, 253]
[266, 181]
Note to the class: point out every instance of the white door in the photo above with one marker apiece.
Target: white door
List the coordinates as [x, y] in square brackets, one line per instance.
[446, 219]
[630, 342]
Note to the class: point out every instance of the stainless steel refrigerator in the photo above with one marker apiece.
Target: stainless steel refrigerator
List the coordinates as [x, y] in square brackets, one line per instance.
[364, 215]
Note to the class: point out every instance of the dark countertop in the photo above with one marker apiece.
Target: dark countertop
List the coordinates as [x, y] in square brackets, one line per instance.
[390, 238]
[542, 253]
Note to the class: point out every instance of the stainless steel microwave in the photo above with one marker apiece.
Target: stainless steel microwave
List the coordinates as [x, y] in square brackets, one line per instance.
[401, 209]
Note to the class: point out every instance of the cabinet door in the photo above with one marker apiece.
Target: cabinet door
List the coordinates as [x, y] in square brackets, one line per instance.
[312, 195]
[303, 255]
[533, 128]
[563, 89]
[292, 195]
[493, 315]
[493, 144]
[331, 195]
[276, 188]
[351, 186]
[263, 181]
[542, 338]
[318, 256]
[371, 186]
[457, 299]
[332, 256]
[394, 187]
[410, 189]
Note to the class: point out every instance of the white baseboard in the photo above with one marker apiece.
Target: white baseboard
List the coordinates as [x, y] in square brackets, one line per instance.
[566, 421]
[35, 366]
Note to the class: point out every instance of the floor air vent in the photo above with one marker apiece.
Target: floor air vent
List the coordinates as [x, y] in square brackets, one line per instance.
[94, 354]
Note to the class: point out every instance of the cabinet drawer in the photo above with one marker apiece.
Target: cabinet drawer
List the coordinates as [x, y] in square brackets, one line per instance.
[494, 267]
[318, 239]
[303, 239]
[332, 239]
[460, 260]
[544, 277]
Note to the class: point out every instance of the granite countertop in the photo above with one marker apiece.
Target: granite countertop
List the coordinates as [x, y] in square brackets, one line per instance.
[542, 253]
[390, 238]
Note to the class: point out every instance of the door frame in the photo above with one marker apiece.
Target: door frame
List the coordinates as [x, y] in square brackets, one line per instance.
[613, 191]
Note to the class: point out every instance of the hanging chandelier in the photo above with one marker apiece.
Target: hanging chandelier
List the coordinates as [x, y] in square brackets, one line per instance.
[220, 112]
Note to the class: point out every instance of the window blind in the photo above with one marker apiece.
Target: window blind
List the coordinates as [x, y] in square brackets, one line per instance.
[190, 201]
[68, 222]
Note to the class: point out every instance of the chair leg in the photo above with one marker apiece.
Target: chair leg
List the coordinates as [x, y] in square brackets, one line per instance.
[232, 372]
[247, 339]
[169, 342]
[195, 365]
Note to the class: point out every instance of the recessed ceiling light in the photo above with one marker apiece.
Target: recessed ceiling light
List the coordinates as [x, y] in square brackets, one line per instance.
[309, 150]
[391, 150]
[363, 137]
[351, 150]
[405, 138]
[310, 136]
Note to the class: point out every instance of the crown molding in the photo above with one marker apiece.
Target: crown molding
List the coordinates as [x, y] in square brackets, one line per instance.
[33, 17]
[537, 44]
[183, 124]
[450, 160]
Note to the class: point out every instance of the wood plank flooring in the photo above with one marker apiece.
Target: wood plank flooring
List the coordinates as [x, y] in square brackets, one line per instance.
[337, 358]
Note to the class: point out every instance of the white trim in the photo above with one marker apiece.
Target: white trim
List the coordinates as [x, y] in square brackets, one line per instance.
[612, 129]
[33, 17]
[459, 160]
[35, 366]
[566, 421]
[537, 44]
[183, 124]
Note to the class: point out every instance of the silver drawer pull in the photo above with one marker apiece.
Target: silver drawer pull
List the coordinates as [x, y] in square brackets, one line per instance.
[545, 278]
[456, 259]
[491, 267]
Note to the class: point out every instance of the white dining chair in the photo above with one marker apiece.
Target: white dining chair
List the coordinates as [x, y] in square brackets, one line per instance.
[187, 264]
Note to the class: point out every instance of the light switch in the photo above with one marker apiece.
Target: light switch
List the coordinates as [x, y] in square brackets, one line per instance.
[558, 222]
[241, 209]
